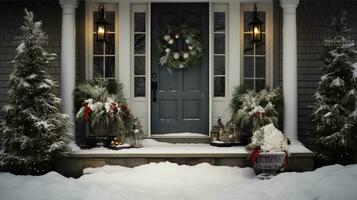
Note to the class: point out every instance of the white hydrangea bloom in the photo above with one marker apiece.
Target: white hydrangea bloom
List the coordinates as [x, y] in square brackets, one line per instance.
[270, 139]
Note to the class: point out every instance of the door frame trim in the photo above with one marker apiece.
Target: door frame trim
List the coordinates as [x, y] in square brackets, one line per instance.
[210, 75]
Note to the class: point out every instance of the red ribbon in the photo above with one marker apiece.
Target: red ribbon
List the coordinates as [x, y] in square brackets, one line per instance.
[87, 110]
[254, 155]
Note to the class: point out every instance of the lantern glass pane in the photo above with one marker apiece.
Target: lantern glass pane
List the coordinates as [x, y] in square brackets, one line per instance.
[101, 32]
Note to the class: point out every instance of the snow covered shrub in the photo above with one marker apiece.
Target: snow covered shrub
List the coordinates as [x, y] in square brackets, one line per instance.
[334, 118]
[251, 110]
[33, 131]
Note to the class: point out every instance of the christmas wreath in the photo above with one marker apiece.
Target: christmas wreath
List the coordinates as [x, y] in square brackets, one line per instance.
[180, 46]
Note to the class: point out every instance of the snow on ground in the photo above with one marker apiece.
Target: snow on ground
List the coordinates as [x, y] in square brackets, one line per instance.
[168, 181]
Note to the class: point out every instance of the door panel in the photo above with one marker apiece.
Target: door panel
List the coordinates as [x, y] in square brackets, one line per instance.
[182, 94]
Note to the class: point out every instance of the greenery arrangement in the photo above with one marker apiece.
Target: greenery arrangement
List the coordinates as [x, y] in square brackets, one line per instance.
[33, 131]
[102, 102]
[180, 46]
[334, 118]
[252, 110]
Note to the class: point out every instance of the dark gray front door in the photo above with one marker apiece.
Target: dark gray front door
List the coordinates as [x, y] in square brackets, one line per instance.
[182, 95]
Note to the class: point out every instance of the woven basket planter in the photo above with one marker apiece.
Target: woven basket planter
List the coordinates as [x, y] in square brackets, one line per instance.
[269, 163]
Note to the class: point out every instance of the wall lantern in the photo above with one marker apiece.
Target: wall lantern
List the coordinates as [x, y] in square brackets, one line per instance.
[255, 27]
[101, 25]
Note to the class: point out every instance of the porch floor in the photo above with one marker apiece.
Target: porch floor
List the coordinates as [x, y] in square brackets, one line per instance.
[301, 158]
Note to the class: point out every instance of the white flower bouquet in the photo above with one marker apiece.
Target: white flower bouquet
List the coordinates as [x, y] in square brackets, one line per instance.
[269, 139]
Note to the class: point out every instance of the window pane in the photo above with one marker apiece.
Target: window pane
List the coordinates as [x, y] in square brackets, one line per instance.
[139, 90]
[109, 67]
[219, 21]
[110, 44]
[247, 18]
[139, 20]
[248, 67]
[260, 67]
[139, 65]
[249, 84]
[248, 47]
[219, 43]
[219, 65]
[139, 44]
[98, 67]
[95, 18]
[259, 84]
[261, 16]
[260, 47]
[97, 46]
[110, 17]
[219, 86]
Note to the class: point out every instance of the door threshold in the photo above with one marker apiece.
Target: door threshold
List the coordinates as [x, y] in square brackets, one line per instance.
[180, 135]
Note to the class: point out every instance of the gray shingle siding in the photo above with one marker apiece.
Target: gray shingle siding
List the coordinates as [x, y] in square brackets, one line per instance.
[313, 19]
[50, 13]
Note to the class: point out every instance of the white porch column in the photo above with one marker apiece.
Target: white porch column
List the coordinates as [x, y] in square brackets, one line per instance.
[290, 67]
[68, 55]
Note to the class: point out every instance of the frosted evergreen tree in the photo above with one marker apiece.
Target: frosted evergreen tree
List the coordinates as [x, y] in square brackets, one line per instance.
[334, 118]
[33, 130]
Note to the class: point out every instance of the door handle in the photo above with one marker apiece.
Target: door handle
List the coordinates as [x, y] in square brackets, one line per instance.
[154, 87]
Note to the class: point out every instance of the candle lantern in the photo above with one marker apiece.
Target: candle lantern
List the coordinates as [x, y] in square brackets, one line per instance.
[255, 27]
[101, 25]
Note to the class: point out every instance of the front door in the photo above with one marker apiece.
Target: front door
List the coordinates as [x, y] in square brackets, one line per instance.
[181, 103]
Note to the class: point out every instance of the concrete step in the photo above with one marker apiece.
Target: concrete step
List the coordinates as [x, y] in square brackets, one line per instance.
[300, 159]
